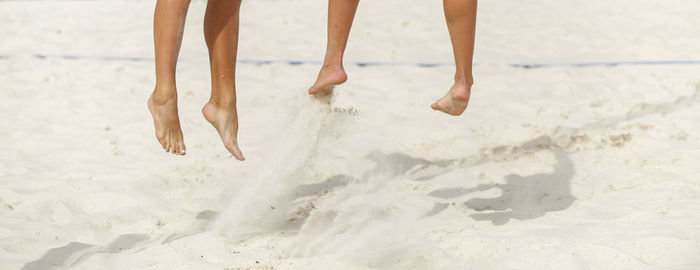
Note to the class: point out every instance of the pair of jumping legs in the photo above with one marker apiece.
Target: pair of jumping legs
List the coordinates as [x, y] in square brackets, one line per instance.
[461, 23]
[221, 35]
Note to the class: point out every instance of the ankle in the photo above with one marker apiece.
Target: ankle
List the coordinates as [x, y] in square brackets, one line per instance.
[464, 80]
[332, 63]
[333, 68]
[223, 103]
[334, 71]
[163, 95]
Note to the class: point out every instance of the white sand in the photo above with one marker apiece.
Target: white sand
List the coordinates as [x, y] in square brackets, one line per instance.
[550, 168]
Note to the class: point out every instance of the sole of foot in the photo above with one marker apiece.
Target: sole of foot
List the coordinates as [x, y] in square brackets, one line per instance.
[225, 121]
[167, 123]
[327, 79]
[455, 101]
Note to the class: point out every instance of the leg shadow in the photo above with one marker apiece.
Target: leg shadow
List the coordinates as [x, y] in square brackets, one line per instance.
[75, 252]
[57, 257]
[528, 197]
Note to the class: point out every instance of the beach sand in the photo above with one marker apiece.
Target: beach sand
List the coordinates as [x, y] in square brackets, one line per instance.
[551, 167]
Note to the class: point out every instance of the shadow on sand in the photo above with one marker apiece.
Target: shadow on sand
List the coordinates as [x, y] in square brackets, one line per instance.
[74, 253]
[521, 197]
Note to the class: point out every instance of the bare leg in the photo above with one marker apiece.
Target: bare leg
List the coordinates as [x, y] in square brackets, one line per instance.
[340, 16]
[221, 35]
[168, 25]
[461, 22]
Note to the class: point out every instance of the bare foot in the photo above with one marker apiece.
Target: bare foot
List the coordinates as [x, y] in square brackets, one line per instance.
[328, 77]
[167, 122]
[455, 101]
[225, 120]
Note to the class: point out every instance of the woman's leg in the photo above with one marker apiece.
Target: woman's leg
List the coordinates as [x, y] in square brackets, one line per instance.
[340, 16]
[221, 35]
[168, 25]
[461, 22]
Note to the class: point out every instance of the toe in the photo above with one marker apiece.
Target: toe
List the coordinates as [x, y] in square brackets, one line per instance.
[183, 149]
[238, 155]
[315, 91]
[175, 147]
[321, 90]
[180, 148]
[181, 144]
[233, 148]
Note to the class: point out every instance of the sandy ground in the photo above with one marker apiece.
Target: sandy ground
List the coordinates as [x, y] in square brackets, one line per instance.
[556, 167]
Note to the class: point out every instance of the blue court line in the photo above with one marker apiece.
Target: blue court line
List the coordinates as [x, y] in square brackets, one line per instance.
[369, 64]
[360, 64]
[609, 64]
[87, 57]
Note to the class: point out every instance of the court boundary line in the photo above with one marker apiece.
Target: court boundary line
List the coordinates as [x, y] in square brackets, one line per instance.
[532, 65]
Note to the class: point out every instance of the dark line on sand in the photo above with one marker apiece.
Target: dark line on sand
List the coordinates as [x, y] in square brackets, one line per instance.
[371, 64]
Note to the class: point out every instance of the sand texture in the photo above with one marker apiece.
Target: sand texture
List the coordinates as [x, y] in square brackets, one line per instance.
[553, 166]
